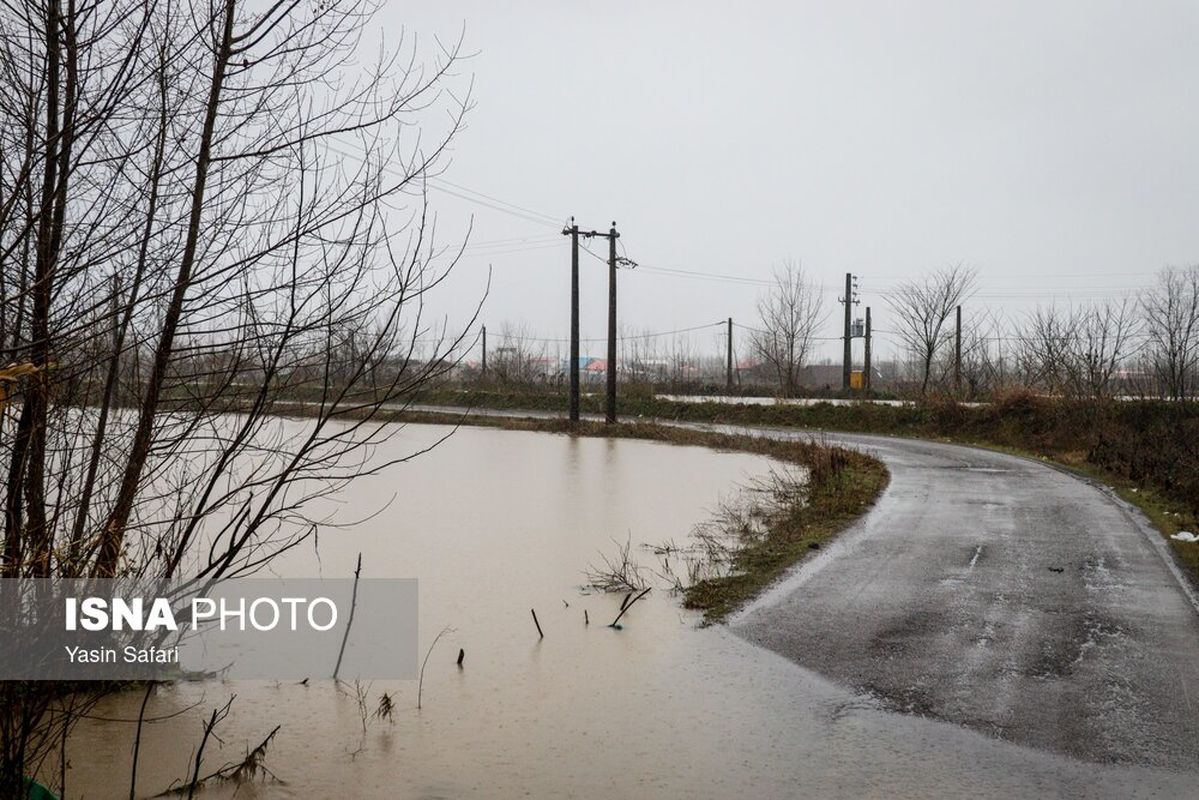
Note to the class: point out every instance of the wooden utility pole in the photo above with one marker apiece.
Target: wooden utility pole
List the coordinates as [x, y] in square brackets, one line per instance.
[866, 357]
[484, 366]
[729, 359]
[612, 237]
[574, 320]
[957, 354]
[574, 233]
[847, 356]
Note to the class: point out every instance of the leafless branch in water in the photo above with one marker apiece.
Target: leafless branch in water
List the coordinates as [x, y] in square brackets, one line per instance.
[616, 573]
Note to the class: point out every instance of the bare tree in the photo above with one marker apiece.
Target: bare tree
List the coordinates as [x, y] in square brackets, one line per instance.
[639, 350]
[1045, 350]
[790, 312]
[1078, 353]
[682, 369]
[202, 210]
[1172, 322]
[519, 358]
[982, 364]
[1104, 339]
[922, 310]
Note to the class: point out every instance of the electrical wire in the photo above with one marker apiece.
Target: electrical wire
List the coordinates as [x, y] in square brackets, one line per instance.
[619, 337]
[886, 290]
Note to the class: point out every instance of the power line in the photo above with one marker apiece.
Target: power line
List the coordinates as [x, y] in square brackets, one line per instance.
[695, 274]
[888, 292]
[547, 218]
[763, 332]
[622, 338]
[495, 247]
[513, 250]
[514, 211]
[463, 193]
[512, 241]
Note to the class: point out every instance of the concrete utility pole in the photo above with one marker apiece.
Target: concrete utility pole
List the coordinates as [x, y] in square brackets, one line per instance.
[573, 232]
[729, 360]
[847, 357]
[484, 370]
[612, 237]
[957, 354]
[866, 358]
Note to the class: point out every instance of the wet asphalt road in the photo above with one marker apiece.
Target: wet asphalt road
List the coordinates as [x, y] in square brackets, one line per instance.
[1004, 595]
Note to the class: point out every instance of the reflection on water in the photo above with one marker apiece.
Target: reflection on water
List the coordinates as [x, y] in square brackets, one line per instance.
[494, 523]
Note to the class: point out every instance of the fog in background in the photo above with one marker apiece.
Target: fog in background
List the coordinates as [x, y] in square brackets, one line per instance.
[1050, 146]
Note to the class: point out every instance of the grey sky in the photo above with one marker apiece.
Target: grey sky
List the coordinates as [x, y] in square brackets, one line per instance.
[1050, 145]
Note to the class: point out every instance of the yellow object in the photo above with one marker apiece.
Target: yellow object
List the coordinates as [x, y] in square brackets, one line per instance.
[11, 374]
[857, 379]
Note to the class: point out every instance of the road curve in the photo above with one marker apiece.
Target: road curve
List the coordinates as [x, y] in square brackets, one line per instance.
[999, 593]
[1005, 595]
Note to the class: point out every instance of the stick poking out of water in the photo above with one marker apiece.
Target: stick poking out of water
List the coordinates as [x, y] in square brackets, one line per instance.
[137, 742]
[350, 621]
[538, 624]
[461, 656]
[626, 607]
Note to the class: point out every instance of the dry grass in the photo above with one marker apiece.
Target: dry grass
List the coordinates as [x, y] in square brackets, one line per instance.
[784, 521]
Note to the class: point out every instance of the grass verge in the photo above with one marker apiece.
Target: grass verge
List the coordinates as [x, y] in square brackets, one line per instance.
[822, 507]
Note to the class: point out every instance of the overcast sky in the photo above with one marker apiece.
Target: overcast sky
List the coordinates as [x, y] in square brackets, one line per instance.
[1052, 146]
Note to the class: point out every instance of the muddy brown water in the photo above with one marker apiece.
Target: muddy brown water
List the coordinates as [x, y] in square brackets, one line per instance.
[495, 522]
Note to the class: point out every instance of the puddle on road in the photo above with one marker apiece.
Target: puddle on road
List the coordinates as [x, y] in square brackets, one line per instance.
[493, 523]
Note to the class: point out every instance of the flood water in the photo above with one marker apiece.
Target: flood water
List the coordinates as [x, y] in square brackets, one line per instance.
[495, 522]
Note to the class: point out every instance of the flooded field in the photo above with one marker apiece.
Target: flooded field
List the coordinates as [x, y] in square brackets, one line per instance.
[494, 523]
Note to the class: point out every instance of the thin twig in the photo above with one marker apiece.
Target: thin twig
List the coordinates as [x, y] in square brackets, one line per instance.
[420, 685]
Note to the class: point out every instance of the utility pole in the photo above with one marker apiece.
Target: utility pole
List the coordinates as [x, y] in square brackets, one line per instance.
[850, 300]
[612, 236]
[573, 232]
[729, 360]
[866, 358]
[957, 355]
[484, 370]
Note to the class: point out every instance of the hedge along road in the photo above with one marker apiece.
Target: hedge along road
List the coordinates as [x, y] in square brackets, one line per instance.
[999, 593]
